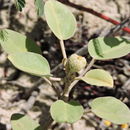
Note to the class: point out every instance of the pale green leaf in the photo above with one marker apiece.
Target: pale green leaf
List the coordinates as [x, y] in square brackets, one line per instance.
[30, 62]
[23, 122]
[103, 48]
[39, 7]
[16, 42]
[98, 77]
[60, 19]
[111, 109]
[66, 112]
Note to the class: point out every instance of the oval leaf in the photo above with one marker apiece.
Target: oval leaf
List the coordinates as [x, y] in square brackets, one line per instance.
[16, 42]
[98, 77]
[30, 62]
[66, 112]
[108, 47]
[112, 109]
[23, 122]
[60, 19]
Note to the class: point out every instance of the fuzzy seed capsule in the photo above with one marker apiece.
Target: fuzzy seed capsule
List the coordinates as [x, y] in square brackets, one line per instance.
[75, 63]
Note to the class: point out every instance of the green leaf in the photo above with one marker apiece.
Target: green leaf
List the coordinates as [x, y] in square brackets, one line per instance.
[98, 77]
[39, 7]
[111, 109]
[23, 122]
[16, 42]
[60, 19]
[103, 48]
[30, 62]
[20, 4]
[66, 112]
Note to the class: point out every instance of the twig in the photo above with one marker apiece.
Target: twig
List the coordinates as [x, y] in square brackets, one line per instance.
[68, 89]
[118, 27]
[63, 51]
[54, 79]
[91, 11]
[82, 50]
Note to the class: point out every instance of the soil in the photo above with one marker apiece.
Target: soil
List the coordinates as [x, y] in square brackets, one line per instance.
[15, 84]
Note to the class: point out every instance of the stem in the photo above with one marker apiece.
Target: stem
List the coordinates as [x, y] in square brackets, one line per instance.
[68, 88]
[63, 51]
[55, 79]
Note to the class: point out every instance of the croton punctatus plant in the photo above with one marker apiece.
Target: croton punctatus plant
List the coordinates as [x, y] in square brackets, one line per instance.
[25, 55]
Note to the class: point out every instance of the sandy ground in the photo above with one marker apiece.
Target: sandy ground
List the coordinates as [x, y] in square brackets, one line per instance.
[26, 20]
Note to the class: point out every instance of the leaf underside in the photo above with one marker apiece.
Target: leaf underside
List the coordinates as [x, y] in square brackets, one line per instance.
[66, 112]
[29, 62]
[23, 122]
[112, 109]
[60, 19]
[98, 77]
[103, 48]
[13, 41]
